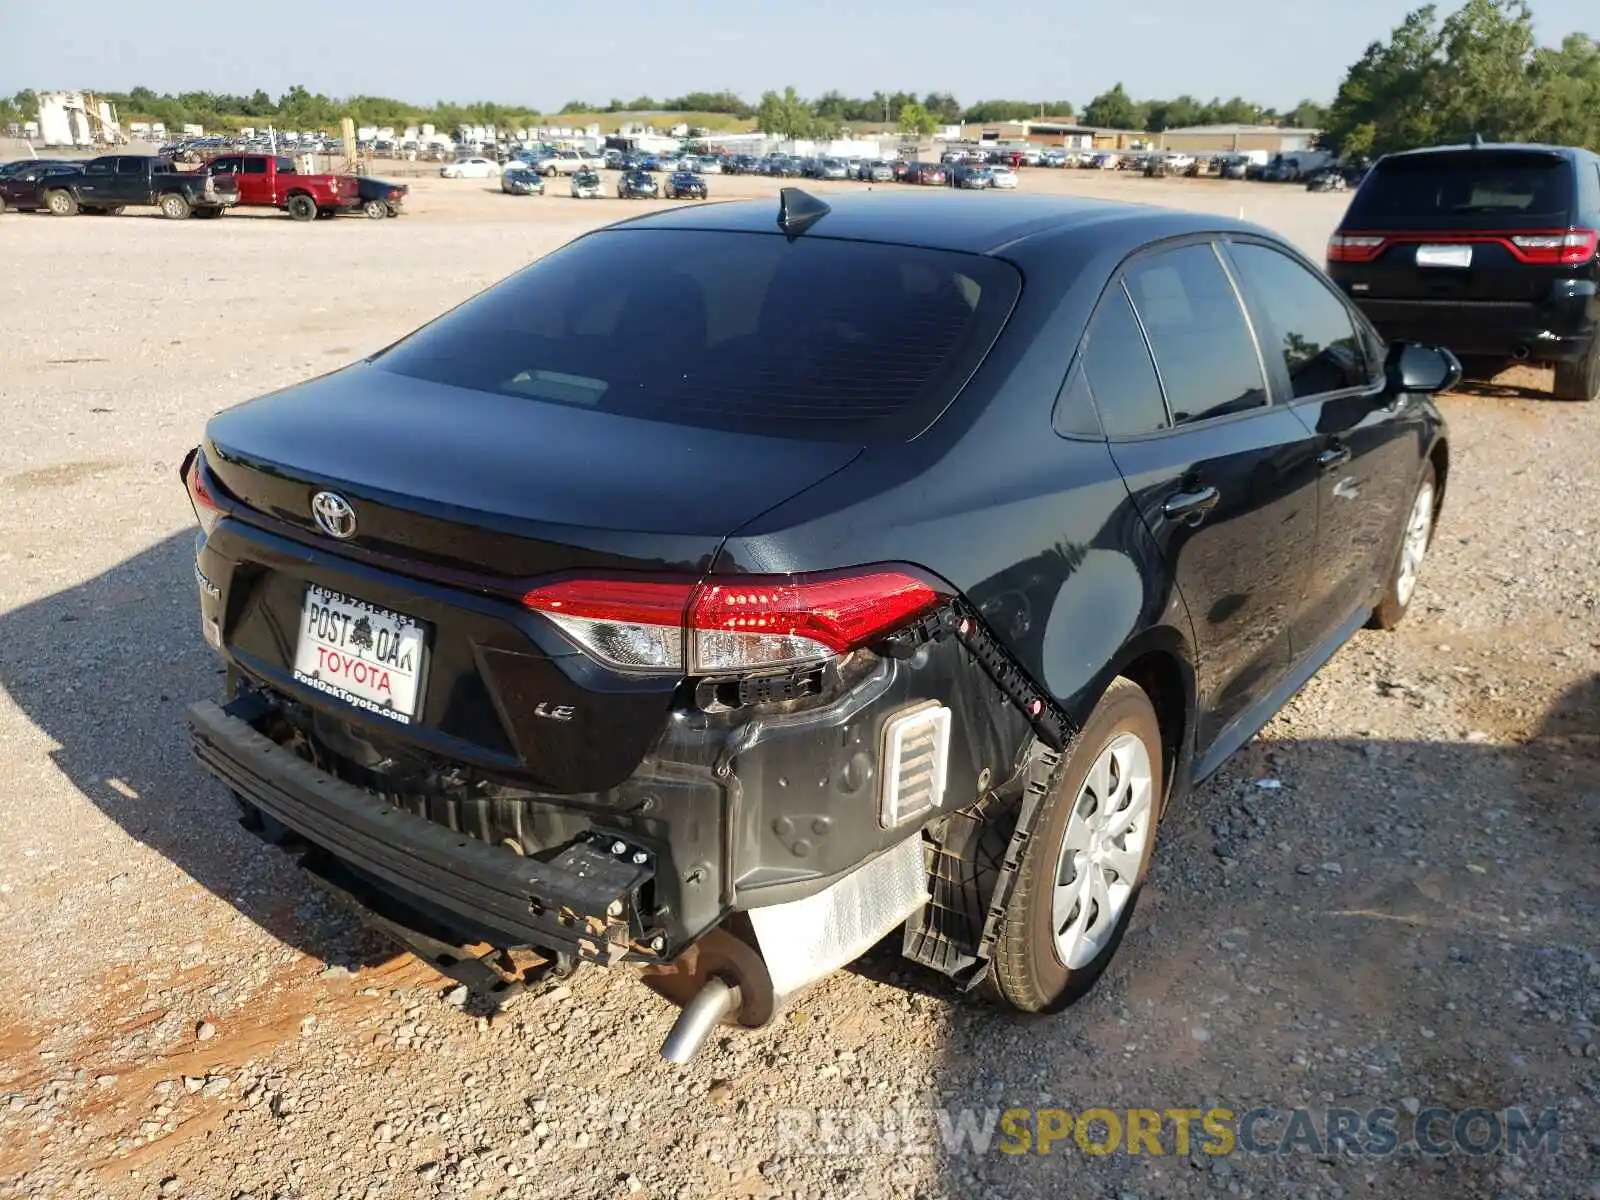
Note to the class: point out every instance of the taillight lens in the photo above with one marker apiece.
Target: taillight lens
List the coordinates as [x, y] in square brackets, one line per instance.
[1570, 249]
[206, 509]
[1354, 247]
[730, 626]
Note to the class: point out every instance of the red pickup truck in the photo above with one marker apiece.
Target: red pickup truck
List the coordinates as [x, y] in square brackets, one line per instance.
[271, 181]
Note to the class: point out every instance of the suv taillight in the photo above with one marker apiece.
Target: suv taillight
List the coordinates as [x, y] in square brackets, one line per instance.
[1570, 249]
[206, 509]
[1355, 247]
[734, 625]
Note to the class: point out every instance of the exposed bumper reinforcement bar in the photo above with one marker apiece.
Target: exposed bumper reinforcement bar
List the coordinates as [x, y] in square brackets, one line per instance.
[584, 899]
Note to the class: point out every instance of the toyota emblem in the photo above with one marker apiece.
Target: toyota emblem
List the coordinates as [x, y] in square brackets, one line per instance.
[333, 515]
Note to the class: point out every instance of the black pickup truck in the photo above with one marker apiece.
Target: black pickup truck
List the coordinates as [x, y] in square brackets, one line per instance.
[114, 181]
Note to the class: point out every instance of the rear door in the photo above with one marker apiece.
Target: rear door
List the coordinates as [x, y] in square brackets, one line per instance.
[1327, 366]
[1225, 480]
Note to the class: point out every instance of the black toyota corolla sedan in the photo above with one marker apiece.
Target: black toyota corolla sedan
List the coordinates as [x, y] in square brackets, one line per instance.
[737, 586]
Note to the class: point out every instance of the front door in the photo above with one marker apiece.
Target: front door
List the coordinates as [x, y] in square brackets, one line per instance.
[1226, 481]
[1328, 367]
[99, 184]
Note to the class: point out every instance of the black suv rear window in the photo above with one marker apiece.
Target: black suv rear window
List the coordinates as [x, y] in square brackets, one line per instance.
[811, 338]
[1512, 189]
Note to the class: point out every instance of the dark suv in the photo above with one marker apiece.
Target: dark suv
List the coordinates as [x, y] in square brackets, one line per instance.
[722, 594]
[1491, 250]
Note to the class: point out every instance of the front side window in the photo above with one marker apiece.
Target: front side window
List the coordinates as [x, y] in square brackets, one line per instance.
[1313, 329]
[1197, 332]
[100, 166]
[286, 166]
[255, 166]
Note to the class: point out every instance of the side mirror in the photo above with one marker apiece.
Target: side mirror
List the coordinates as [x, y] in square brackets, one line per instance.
[1413, 367]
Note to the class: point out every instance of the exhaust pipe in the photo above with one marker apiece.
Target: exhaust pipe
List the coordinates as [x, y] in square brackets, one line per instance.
[711, 1005]
[1520, 354]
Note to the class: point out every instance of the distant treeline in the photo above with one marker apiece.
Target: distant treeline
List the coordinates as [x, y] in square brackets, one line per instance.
[299, 108]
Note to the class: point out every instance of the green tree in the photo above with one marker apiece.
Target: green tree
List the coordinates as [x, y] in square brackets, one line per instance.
[1475, 72]
[1568, 82]
[1308, 114]
[916, 121]
[946, 109]
[1114, 110]
[785, 116]
[1175, 114]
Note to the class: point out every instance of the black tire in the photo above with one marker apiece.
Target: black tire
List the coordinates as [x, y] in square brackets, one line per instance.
[175, 207]
[1579, 380]
[301, 207]
[376, 210]
[549, 172]
[1396, 597]
[61, 203]
[1027, 973]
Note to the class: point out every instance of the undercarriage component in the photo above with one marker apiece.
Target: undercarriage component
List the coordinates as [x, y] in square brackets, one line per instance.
[711, 1005]
[719, 954]
[495, 976]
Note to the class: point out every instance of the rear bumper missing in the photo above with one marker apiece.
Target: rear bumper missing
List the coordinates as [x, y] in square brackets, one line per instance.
[584, 899]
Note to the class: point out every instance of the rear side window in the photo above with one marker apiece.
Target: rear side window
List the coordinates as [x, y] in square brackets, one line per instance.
[1198, 333]
[812, 338]
[1514, 188]
[1311, 326]
[1120, 375]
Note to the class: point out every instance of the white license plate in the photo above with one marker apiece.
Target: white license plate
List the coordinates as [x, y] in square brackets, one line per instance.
[1444, 256]
[360, 653]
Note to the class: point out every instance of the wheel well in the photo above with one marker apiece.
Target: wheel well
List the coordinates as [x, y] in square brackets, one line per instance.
[1163, 679]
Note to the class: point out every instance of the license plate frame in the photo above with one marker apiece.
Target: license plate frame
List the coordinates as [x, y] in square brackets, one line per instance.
[356, 651]
[1455, 258]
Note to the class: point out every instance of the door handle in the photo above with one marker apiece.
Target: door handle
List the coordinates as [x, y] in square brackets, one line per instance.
[1190, 507]
[1335, 455]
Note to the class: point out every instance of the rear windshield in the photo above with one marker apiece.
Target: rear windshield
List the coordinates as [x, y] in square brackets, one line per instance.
[810, 338]
[1484, 187]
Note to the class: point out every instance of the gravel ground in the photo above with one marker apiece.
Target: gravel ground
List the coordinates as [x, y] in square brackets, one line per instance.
[1387, 899]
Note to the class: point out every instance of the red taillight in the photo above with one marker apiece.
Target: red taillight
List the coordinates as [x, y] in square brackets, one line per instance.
[1355, 247]
[206, 509]
[1572, 248]
[730, 625]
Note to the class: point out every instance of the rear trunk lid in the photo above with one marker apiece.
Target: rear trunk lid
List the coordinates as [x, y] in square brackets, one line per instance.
[498, 487]
[459, 500]
[1455, 225]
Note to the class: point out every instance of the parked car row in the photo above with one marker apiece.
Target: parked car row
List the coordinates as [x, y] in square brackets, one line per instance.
[587, 184]
[113, 183]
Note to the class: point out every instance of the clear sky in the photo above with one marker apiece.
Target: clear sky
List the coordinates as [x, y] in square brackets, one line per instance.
[540, 55]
